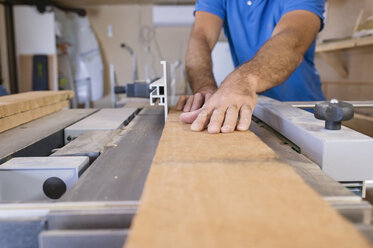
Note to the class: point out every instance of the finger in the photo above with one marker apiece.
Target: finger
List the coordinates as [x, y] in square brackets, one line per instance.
[202, 119]
[197, 102]
[216, 121]
[245, 118]
[230, 121]
[188, 104]
[180, 104]
[207, 97]
[189, 117]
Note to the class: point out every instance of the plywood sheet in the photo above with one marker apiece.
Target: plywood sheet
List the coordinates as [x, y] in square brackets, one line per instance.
[230, 190]
[21, 118]
[17, 103]
[25, 75]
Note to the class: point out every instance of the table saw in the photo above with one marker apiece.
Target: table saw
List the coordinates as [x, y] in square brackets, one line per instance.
[98, 208]
[74, 178]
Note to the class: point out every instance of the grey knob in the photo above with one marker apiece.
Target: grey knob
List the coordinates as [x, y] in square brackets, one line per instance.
[333, 113]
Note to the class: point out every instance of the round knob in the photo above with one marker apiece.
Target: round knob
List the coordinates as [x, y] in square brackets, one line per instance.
[333, 113]
[54, 187]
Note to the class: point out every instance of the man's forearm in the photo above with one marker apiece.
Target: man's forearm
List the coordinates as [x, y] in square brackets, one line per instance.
[199, 64]
[273, 64]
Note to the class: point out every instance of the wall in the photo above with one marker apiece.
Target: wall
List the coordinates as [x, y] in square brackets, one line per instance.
[34, 34]
[126, 21]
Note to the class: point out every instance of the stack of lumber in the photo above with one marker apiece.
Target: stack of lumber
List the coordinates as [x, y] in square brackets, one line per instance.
[21, 108]
[230, 190]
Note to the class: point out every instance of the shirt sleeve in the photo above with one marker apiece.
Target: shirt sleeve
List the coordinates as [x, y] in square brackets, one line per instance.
[216, 7]
[315, 6]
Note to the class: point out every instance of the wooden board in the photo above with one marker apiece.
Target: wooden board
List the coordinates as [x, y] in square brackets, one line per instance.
[361, 123]
[230, 190]
[23, 117]
[17, 103]
[25, 75]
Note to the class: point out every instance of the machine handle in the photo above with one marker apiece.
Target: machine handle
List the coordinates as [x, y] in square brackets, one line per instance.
[333, 113]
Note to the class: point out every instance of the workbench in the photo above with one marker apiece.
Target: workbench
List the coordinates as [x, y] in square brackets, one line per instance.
[97, 211]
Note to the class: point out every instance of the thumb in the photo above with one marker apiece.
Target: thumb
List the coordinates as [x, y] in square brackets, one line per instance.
[189, 117]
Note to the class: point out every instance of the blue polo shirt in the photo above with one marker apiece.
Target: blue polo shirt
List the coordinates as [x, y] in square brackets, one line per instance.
[248, 24]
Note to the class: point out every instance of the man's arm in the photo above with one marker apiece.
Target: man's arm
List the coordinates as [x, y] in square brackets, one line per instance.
[205, 33]
[235, 100]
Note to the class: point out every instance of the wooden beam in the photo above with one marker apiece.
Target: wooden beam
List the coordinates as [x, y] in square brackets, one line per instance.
[21, 118]
[344, 44]
[17, 103]
[230, 190]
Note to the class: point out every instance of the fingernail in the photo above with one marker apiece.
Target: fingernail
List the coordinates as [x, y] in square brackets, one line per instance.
[225, 129]
[241, 128]
[194, 127]
[213, 129]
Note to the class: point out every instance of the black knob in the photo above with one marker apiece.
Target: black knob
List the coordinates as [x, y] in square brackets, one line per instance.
[54, 187]
[334, 112]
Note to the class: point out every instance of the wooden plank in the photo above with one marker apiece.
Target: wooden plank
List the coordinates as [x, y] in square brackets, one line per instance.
[24, 117]
[21, 137]
[119, 173]
[17, 103]
[230, 190]
[52, 72]
[344, 44]
[361, 123]
[25, 75]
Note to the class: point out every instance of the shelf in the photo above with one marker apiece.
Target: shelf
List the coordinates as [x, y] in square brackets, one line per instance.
[344, 44]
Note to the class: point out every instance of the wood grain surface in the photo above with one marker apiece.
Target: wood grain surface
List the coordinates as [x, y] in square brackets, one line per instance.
[230, 190]
[18, 103]
[23, 117]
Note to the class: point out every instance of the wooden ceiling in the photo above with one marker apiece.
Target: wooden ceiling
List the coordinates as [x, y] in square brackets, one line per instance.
[82, 3]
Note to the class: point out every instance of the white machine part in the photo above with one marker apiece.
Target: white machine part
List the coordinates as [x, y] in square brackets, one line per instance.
[345, 155]
[103, 120]
[24, 179]
[159, 89]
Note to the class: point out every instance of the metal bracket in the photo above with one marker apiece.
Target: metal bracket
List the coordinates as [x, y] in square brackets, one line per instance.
[159, 91]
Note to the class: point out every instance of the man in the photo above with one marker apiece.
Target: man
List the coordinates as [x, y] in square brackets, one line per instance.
[272, 44]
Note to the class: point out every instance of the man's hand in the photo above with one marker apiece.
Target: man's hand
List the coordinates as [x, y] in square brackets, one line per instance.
[229, 107]
[196, 101]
